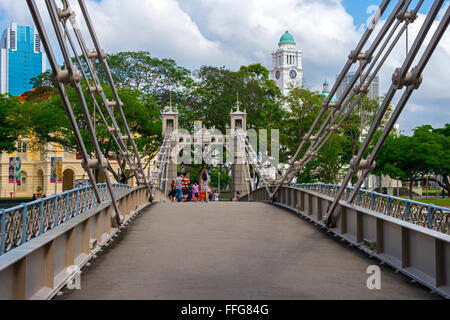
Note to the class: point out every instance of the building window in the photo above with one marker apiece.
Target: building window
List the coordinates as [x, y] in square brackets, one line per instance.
[13, 39]
[24, 179]
[37, 43]
[22, 147]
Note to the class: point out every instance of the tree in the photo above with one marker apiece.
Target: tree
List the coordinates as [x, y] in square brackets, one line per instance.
[436, 144]
[216, 91]
[302, 108]
[42, 80]
[13, 123]
[400, 158]
[409, 158]
[137, 70]
[50, 124]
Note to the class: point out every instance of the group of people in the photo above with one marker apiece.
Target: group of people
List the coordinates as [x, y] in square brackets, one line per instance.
[181, 189]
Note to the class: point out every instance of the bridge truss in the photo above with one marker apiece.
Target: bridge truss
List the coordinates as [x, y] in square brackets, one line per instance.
[405, 79]
[71, 43]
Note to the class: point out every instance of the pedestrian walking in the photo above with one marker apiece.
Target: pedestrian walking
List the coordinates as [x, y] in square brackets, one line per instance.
[195, 189]
[210, 194]
[205, 185]
[189, 194]
[185, 182]
[179, 188]
[173, 191]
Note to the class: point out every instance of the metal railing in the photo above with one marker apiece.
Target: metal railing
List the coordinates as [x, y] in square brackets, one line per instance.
[425, 215]
[414, 250]
[22, 223]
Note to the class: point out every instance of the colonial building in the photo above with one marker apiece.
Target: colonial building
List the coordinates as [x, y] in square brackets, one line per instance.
[36, 170]
[287, 64]
[326, 91]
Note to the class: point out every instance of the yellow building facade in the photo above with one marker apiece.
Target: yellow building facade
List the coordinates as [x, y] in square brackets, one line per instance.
[36, 170]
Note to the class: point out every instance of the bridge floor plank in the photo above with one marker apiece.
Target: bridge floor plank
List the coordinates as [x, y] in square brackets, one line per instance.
[232, 251]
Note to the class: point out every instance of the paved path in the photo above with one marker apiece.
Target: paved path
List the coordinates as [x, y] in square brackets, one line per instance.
[232, 251]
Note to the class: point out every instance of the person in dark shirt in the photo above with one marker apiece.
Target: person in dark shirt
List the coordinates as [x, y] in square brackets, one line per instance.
[189, 194]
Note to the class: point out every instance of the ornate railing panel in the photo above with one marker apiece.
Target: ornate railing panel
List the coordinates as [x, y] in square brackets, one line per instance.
[27, 221]
[422, 214]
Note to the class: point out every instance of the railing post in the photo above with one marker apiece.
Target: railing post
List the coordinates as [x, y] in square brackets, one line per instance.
[56, 211]
[347, 193]
[86, 196]
[94, 200]
[78, 203]
[25, 221]
[3, 230]
[408, 206]
[431, 210]
[372, 200]
[42, 217]
[389, 206]
[68, 206]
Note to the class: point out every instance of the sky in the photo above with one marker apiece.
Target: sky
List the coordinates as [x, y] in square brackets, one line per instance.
[232, 33]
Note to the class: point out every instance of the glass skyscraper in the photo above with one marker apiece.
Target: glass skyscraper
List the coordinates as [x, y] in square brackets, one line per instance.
[374, 88]
[21, 59]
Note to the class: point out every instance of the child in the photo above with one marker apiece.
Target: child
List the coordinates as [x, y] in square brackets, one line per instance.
[196, 188]
[200, 195]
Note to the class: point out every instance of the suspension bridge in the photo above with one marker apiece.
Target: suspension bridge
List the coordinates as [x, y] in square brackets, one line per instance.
[280, 241]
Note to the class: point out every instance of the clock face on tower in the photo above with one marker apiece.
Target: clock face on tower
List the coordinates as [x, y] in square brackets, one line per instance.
[293, 74]
[277, 75]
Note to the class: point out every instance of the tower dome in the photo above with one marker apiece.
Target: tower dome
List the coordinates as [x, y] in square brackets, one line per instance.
[287, 38]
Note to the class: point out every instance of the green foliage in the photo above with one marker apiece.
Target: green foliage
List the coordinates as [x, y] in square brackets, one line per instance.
[139, 71]
[215, 92]
[209, 94]
[407, 158]
[225, 179]
[42, 80]
[13, 123]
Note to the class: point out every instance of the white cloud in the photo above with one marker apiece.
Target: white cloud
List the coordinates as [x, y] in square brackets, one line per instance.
[412, 107]
[236, 32]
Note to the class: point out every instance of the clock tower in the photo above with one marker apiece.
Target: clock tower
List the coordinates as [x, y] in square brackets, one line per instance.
[287, 64]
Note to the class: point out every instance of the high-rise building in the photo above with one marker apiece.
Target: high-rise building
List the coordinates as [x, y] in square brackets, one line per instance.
[374, 88]
[21, 59]
[287, 64]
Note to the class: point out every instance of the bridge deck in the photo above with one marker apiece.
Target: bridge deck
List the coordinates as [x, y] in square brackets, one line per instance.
[232, 251]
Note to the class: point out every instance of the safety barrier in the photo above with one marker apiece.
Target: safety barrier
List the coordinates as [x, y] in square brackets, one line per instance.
[22, 223]
[419, 252]
[59, 243]
[422, 214]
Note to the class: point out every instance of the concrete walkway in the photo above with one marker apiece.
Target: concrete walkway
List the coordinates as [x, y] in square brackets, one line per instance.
[232, 251]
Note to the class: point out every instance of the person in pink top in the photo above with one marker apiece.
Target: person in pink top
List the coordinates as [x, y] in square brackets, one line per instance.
[195, 189]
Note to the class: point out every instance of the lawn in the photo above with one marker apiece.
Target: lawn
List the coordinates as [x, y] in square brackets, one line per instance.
[436, 201]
